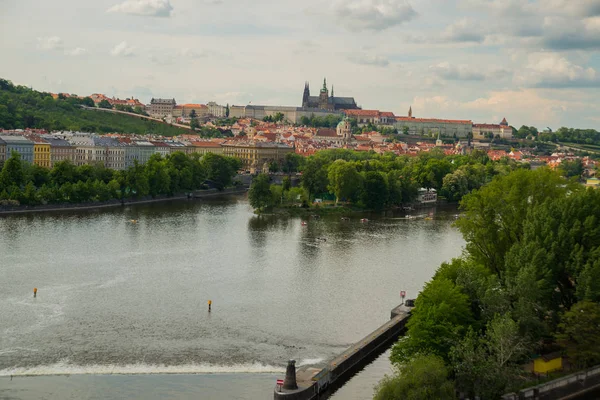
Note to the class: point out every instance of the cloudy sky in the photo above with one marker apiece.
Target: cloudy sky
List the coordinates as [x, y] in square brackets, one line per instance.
[534, 62]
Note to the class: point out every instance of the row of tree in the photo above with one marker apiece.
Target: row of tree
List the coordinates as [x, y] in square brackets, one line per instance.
[373, 181]
[30, 184]
[528, 283]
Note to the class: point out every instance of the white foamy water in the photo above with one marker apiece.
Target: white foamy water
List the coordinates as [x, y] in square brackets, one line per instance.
[66, 368]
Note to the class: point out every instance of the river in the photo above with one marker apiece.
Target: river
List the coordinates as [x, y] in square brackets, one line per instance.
[121, 309]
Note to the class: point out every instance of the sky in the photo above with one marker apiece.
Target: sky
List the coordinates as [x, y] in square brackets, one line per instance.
[534, 62]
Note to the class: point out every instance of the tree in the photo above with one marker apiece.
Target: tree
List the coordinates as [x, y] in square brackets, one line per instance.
[572, 168]
[12, 171]
[440, 317]
[194, 124]
[375, 191]
[314, 177]
[423, 377]
[455, 185]
[105, 104]
[495, 214]
[220, 169]
[88, 102]
[286, 183]
[344, 180]
[578, 334]
[259, 195]
[489, 365]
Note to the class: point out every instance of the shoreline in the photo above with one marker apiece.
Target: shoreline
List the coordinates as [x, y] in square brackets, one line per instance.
[117, 203]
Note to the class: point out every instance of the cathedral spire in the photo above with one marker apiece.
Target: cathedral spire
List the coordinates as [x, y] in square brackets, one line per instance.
[410, 112]
[331, 90]
[324, 83]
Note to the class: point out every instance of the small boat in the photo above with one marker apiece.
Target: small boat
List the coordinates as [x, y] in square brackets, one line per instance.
[363, 220]
[133, 221]
[345, 219]
[304, 223]
[428, 219]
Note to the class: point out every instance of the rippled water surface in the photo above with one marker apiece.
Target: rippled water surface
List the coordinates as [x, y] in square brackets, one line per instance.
[116, 296]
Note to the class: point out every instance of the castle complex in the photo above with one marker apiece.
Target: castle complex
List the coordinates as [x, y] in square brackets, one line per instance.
[325, 102]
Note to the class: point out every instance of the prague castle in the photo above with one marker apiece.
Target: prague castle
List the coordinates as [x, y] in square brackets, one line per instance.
[326, 102]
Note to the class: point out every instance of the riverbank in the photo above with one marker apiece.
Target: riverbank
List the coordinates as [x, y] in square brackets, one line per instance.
[347, 211]
[199, 194]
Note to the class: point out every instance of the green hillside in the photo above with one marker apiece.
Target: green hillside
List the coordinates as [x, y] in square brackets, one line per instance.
[22, 107]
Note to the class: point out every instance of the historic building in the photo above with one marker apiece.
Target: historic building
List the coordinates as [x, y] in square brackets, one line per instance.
[255, 154]
[290, 114]
[161, 107]
[433, 127]
[326, 102]
[483, 131]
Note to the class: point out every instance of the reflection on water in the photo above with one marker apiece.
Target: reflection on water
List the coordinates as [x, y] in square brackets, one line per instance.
[131, 297]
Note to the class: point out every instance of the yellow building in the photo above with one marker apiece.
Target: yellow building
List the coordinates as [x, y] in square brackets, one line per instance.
[207, 146]
[255, 154]
[41, 152]
[593, 182]
[547, 363]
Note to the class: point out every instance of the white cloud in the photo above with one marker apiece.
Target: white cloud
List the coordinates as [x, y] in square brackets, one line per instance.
[78, 51]
[368, 59]
[373, 15]
[551, 70]
[50, 43]
[464, 30]
[191, 53]
[452, 72]
[145, 8]
[122, 50]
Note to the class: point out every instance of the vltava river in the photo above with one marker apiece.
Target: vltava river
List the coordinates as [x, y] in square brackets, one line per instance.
[123, 297]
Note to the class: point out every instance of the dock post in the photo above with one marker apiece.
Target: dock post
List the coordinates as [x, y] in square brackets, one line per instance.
[290, 376]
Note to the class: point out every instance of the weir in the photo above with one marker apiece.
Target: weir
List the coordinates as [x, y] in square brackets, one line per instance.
[312, 382]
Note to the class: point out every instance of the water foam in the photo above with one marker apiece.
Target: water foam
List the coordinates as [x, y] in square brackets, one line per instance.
[310, 361]
[65, 368]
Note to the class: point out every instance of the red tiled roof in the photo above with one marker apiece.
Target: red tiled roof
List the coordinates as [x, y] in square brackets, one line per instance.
[327, 132]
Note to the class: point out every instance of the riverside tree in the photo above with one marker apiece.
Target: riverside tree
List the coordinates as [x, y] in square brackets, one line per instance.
[260, 196]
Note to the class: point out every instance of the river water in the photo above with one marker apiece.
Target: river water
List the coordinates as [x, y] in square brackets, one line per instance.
[121, 309]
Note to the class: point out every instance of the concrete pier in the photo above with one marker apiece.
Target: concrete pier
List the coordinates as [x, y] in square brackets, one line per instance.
[312, 382]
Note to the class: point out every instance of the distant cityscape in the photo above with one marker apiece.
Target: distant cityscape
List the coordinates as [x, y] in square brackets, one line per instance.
[260, 135]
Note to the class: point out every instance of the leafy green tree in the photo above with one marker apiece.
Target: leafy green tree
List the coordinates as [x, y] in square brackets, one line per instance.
[495, 214]
[137, 180]
[12, 171]
[292, 162]
[375, 191]
[159, 180]
[423, 377]
[572, 168]
[344, 180]
[578, 334]
[488, 366]
[455, 185]
[286, 183]
[220, 169]
[441, 315]
[105, 104]
[88, 102]
[314, 177]
[260, 196]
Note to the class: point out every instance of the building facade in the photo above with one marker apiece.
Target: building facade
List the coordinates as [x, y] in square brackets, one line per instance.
[185, 110]
[326, 102]
[375, 117]
[433, 127]
[255, 154]
[2, 151]
[110, 152]
[290, 114]
[216, 110]
[161, 107]
[488, 131]
[60, 150]
[18, 144]
[41, 152]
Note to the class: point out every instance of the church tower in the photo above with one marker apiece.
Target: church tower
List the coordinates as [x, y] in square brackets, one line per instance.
[410, 112]
[306, 95]
[324, 96]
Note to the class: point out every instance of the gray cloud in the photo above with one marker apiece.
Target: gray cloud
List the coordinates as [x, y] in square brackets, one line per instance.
[368, 59]
[568, 35]
[50, 43]
[551, 70]
[375, 15]
[451, 72]
[122, 50]
[145, 8]
[464, 30]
